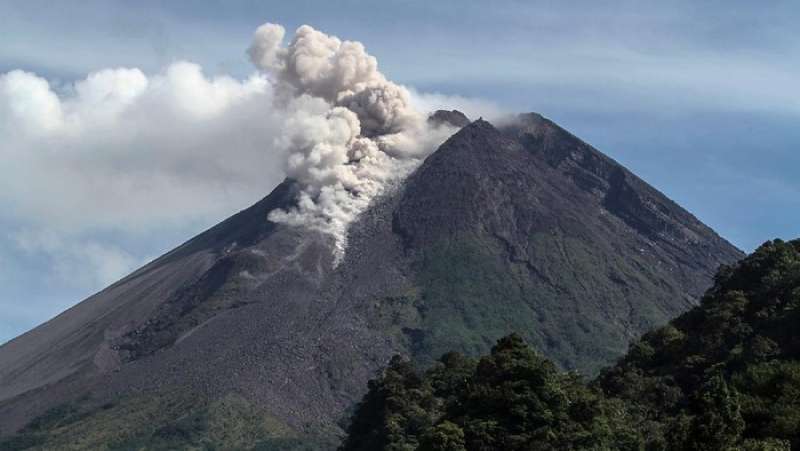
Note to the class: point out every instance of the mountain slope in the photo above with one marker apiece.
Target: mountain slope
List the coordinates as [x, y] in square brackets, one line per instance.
[519, 228]
[54, 349]
[531, 228]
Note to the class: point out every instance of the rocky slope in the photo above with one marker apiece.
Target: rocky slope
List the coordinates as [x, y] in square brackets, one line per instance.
[248, 336]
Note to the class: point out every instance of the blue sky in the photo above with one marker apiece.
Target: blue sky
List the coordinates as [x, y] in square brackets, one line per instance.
[701, 99]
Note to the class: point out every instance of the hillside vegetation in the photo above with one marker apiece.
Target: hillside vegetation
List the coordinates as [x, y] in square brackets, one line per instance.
[723, 376]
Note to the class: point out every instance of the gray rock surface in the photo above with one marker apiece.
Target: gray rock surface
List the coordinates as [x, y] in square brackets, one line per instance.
[523, 228]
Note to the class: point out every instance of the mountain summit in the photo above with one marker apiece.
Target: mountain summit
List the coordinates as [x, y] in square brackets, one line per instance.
[251, 335]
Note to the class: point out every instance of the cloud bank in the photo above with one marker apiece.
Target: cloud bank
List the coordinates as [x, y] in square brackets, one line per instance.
[122, 150]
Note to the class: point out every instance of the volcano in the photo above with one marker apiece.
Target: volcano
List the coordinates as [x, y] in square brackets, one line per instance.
[253, 335]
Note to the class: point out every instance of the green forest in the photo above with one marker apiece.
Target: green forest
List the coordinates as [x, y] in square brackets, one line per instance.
[723, 376]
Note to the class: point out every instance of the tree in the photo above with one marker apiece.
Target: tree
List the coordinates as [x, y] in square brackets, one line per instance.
[445, 436]
[718, 424]
[395, 410]
[512, 399]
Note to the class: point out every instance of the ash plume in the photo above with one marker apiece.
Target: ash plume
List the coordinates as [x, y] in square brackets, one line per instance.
[353, 133]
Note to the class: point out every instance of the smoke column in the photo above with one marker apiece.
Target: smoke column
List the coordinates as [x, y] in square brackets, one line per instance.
[351, 133]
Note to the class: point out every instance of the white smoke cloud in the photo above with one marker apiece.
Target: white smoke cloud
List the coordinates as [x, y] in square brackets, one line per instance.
[121, 153]
[369, 137]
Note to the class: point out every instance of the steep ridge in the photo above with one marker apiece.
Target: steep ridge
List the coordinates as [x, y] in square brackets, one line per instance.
[520, 228]
[528, 226]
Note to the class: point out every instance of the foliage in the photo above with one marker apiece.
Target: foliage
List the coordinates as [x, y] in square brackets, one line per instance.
[512, 399]
[728, 370]
[176, 421]
[723, 376]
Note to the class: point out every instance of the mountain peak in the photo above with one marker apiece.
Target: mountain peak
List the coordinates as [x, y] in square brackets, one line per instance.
[478, 136]
[454, 117]
[531, 196]
[518, 228]
[531, 119]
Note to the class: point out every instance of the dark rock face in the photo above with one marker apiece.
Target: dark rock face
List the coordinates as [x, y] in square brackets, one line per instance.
[548, 237]
[523, 228]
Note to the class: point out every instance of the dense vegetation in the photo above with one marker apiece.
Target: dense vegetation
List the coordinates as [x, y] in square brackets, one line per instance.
[723, 376]
[508, 400]
[726, 373]
[166, 423]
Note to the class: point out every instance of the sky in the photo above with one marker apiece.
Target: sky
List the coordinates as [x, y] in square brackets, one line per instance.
[165, 127]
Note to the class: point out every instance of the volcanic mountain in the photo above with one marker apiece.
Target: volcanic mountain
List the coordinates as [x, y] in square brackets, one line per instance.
[252, 335]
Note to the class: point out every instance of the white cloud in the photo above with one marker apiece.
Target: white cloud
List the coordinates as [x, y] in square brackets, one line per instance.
[121, 150]
[28, 105]
[121, 155]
